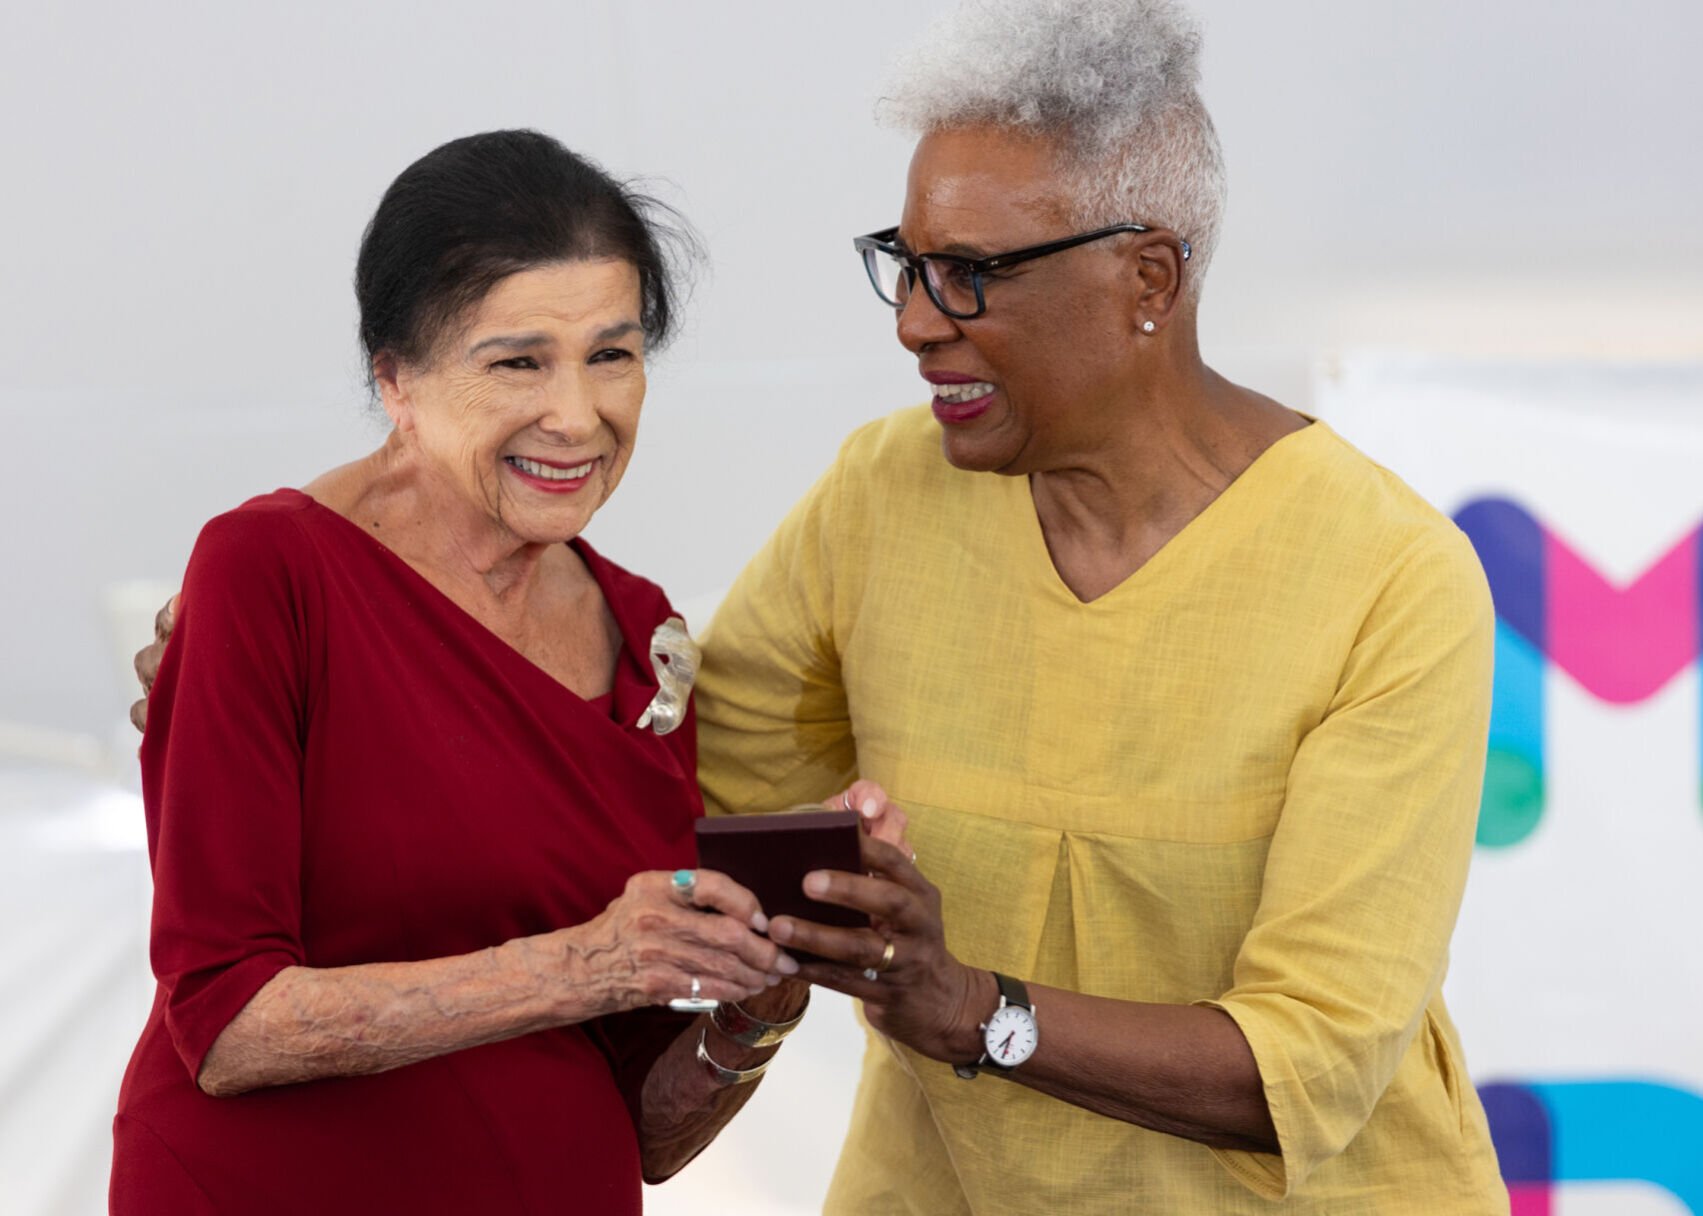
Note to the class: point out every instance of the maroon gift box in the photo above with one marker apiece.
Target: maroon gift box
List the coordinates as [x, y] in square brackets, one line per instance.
[771, 854]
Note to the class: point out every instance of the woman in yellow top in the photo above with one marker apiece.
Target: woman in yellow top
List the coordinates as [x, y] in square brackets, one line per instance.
[1185, 698]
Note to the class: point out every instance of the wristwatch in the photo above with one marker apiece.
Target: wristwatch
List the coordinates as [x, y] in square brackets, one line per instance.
[1010, 1034]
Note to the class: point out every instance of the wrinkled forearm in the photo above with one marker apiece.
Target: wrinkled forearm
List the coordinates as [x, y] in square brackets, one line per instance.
[308, 1022]
[683, 1108]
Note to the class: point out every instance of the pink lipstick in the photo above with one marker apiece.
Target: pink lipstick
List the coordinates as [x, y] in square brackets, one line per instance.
[954, 404]
[546, 475]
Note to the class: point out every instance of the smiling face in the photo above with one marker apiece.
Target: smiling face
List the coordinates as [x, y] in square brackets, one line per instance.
[1029, 385]
[529, 408]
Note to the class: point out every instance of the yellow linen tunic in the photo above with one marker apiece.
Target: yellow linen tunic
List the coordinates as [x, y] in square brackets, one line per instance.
[1245, 777]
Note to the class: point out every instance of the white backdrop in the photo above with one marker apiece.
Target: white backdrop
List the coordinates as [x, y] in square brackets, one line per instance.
[185, 184]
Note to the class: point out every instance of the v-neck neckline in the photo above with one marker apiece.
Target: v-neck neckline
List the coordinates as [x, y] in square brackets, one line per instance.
[604, 703]
[1187, 537]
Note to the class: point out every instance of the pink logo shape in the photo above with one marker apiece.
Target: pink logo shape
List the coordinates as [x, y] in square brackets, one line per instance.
[1623, 645]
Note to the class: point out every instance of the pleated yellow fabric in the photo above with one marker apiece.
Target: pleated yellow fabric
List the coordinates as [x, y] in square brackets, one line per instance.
[1246, 777]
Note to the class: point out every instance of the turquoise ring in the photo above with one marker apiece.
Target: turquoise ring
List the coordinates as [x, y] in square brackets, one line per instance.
[685, 885]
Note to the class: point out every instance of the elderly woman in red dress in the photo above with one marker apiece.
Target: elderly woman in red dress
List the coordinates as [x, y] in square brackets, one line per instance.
[414, 786]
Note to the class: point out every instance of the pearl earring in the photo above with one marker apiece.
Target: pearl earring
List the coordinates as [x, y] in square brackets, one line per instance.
[1147, 327]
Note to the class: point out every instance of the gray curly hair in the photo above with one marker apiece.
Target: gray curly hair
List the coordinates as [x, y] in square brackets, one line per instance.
[1112, 80]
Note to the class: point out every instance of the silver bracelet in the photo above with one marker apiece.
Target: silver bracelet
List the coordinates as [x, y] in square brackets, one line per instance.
[750, 1031]
[728, 1076]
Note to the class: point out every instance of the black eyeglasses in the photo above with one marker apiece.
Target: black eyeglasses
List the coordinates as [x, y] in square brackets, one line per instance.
[955, 283]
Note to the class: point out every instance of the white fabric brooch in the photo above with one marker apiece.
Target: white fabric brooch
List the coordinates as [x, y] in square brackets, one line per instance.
[674, 657]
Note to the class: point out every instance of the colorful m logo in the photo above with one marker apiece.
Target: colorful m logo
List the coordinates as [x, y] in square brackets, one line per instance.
[1622, 644]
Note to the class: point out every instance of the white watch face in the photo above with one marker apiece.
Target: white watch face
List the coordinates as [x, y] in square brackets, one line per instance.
[1010, 1036]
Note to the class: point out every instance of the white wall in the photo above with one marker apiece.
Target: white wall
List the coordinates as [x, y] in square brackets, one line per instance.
[185, 185]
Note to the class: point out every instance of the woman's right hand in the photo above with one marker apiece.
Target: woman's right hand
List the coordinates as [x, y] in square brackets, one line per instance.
[649, 944]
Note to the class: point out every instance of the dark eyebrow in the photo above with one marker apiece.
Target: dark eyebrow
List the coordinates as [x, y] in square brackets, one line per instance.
[532, 341]
[956, 249]
[619, 330]
[511, 342]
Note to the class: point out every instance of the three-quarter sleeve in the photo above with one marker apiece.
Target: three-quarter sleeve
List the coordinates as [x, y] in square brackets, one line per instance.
[773, 724]
[1367, 866]
[222, 766]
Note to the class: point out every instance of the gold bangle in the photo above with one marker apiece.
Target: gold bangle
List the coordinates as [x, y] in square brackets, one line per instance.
[750, 1031]
[728, 1076]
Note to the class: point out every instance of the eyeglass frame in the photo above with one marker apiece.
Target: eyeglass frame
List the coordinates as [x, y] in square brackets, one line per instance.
[916, 268]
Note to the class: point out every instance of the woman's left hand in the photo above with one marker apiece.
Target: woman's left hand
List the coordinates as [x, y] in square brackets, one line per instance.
[921, 995]
[880, 816]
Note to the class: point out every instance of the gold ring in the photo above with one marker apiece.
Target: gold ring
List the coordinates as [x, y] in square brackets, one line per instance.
[886, 959]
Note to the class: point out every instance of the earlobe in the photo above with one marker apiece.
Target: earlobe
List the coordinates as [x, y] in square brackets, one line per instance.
[1161, 283]
[393, 395]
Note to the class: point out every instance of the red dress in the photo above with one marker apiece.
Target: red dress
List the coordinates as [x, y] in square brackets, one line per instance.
[341, 766]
